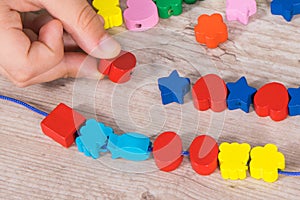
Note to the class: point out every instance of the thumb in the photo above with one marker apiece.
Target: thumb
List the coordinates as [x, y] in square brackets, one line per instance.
[84, 25]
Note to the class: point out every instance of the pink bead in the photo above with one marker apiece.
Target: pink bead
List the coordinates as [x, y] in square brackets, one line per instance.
[240, 10]
[140, 15]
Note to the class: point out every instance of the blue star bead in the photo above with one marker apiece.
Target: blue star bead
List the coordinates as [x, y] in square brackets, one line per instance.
[294, 104]
[173, 88]
[285, 8]
[240, 95]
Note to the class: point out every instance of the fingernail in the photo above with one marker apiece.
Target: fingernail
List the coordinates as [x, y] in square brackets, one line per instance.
[108, 48]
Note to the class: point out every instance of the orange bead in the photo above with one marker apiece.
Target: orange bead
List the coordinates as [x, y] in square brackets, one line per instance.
[211, 30]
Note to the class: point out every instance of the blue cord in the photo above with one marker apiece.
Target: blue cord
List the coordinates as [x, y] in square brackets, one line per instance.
[289, 173]
[184, 153]
[24, 104]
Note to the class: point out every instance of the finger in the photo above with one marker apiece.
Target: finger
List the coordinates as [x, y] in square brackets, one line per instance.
[31, 35]
[81, 21]
[30, 59]
[35, 21]
[69, 43]
[50, 43]
[22, 6]
[74, 65]
[84, 25]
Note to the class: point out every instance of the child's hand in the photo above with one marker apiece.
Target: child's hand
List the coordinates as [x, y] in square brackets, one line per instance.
[32, 48]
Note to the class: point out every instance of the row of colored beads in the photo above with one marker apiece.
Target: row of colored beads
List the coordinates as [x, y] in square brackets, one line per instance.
[233, 158]
[95, 138]
[141, 15]
[211, 92]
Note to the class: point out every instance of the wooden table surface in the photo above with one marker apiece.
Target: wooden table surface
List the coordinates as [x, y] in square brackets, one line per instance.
[32, 166]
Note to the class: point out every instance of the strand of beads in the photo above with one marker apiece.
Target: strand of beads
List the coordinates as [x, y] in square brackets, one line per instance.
[211, 92]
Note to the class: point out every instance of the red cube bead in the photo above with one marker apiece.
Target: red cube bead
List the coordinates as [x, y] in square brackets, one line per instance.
[62, 124]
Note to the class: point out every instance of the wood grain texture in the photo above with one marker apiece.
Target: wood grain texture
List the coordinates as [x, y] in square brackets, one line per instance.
[34, 167]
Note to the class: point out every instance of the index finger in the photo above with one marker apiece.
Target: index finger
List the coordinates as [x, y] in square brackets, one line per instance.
[85, 26]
